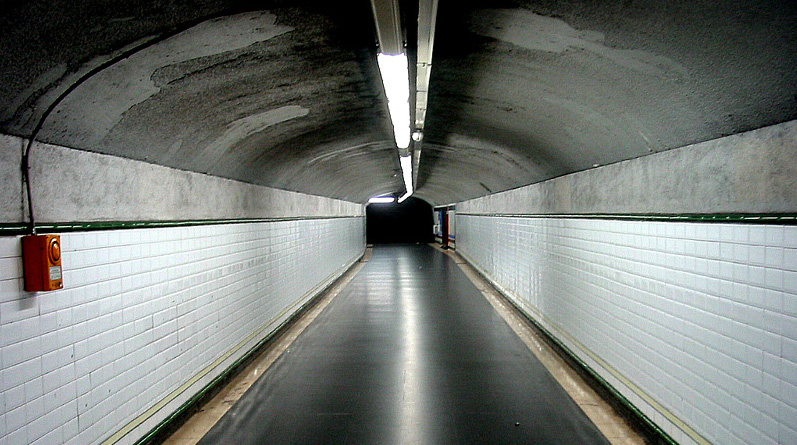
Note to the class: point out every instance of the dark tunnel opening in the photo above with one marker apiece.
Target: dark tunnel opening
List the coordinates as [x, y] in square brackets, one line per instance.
[408, 222]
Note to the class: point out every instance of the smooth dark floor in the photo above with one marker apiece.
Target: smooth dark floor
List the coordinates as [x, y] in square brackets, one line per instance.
[409, 352]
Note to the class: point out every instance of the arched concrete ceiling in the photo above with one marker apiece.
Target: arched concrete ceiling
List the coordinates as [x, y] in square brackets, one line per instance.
[287, 94]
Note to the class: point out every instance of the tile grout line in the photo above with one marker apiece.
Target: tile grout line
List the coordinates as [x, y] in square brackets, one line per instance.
[617, 431]
[192, 431]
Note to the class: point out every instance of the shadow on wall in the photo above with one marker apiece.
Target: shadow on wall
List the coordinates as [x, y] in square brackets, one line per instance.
[408, 222]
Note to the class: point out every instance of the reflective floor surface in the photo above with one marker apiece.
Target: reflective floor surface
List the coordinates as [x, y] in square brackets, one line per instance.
[409, 352]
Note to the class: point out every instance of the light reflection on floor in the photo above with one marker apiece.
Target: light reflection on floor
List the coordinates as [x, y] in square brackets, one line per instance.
[412, 402]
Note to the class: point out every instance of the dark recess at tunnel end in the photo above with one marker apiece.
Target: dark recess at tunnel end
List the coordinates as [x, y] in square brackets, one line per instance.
[408, 222]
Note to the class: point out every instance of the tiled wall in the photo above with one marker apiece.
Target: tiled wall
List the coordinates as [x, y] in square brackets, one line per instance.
[142, 312]
[700, 317]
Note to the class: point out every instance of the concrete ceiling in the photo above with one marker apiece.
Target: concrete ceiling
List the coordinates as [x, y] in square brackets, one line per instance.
[287, 94]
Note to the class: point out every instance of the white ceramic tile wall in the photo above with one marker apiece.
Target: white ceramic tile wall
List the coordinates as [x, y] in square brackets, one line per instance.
[702, 317]
[142, 312]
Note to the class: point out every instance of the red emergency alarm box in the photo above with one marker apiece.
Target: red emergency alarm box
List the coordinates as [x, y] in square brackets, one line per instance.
[41, 255]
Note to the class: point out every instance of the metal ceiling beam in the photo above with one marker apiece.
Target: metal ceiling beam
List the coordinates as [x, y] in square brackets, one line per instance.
[427, 17]
[388, 26]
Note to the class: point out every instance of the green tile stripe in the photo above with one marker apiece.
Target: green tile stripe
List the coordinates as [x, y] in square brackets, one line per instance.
[747, 218]
[62, 227]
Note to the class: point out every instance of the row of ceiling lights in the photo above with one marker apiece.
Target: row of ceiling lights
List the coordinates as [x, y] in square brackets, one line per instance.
[394, 70]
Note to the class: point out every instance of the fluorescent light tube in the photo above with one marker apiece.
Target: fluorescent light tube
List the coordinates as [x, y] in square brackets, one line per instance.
[396, 80]
[381, 200]
[406, 173]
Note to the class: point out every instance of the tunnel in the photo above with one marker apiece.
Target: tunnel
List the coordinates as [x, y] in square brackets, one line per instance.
[408, 222]
[398, 222]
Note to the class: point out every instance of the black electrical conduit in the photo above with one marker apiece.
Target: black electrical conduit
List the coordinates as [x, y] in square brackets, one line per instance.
[81, 80]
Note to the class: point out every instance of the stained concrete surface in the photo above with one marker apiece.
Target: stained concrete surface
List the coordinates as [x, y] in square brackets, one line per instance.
[751, 172]
[229, 90]
[564, 86]
[72, 185]
[287, 94]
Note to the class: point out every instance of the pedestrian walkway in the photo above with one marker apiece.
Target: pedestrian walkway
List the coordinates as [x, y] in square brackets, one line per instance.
[409, 352]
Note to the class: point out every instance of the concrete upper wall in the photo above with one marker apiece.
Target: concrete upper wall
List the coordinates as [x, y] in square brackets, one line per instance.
[752, 172]
[73, 185]
[287, 94]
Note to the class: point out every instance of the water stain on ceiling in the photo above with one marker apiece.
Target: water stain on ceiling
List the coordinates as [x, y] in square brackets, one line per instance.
[287, 94]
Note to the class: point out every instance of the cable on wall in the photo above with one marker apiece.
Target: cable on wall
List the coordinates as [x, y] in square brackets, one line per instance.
[25, 167]
[88, 75]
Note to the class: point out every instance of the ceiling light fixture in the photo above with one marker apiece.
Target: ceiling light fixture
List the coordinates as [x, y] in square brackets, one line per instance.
[381, 200]
[396, 79]
[406, 173]
[427, 17]
[388, 26]
[394, 69]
